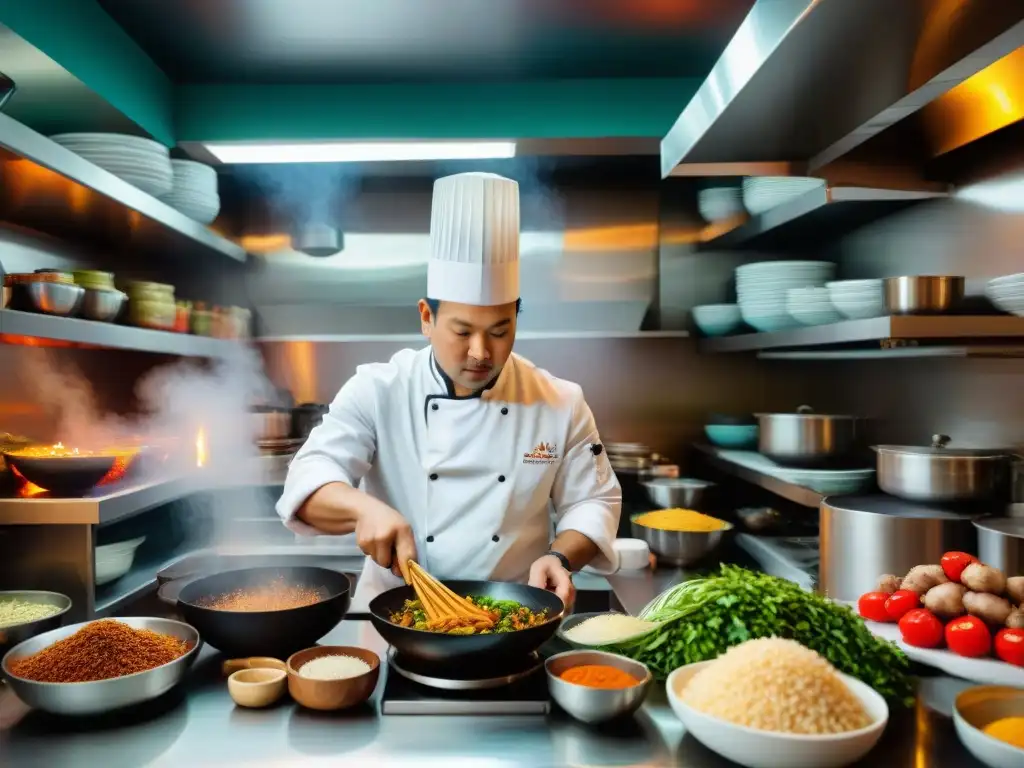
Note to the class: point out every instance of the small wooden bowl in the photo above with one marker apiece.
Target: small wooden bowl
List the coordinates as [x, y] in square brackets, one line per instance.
[332, 694]
[257, 687]
[231, 666]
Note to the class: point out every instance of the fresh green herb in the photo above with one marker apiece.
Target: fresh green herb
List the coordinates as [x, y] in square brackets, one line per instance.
[702, 618]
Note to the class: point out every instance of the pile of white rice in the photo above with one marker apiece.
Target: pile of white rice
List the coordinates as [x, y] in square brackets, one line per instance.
[608, 628]
[776, 685]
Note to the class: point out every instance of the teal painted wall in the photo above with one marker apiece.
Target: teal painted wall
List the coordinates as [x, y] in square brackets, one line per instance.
[539, 109]
[85, 41]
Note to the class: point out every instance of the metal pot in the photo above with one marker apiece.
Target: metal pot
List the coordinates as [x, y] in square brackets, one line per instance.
[923, 294]
[808, 439]
[317, 239]
[270, 423]
[1001, 543]
[937, 473]
[306, 417]
[864, 537]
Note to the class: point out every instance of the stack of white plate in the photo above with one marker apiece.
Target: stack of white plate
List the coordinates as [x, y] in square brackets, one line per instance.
[858, 299]
[762, 193]
[720, 203]
[1007, 293]
[811, 306]
[763, 290]
[195, 191]
[141, 162]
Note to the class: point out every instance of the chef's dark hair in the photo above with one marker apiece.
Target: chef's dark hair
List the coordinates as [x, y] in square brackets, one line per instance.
[435, 304]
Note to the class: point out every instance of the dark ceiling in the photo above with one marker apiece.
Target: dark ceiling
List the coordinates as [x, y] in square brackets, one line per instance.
[366, 41]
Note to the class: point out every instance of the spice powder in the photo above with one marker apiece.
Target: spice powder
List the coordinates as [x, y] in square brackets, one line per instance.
[100, 651]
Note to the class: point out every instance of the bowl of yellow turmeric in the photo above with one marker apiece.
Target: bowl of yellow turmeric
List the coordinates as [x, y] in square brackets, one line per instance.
[989, 720]
[679, 536]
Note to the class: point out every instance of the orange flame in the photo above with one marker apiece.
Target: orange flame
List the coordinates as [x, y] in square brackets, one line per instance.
[201, 448]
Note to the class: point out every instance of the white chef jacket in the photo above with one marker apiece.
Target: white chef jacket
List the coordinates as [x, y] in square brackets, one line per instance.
[475, 476]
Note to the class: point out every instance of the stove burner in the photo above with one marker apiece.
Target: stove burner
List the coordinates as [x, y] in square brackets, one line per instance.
[456, 676]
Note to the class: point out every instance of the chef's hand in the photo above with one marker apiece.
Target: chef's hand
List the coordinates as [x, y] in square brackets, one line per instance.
[547, 573]
[386, 537]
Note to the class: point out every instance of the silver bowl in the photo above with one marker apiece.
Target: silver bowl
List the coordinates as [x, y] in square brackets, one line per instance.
[102, 695]
[102, 305]
[61, 299]
[923, 294]
[673, 492]
[679, 547]
[596, 705]
[18, 633]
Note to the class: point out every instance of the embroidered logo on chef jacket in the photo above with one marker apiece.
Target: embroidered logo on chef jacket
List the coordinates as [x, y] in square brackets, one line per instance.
[544, 453]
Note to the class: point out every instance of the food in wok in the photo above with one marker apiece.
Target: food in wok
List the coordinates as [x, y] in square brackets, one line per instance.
[500, 616]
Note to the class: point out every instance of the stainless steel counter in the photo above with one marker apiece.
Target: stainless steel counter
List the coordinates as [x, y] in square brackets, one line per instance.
[200, 726]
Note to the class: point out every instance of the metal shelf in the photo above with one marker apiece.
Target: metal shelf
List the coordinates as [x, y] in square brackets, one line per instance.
[89, 333]
[900, 328]
[64, 195]
[521, 336]
[827, 212]
[805, 497]
[103, 505]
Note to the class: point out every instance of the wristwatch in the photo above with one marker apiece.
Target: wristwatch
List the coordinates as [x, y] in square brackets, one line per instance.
[561, 558]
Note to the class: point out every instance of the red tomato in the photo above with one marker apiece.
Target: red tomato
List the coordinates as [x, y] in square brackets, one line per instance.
[1010, 646]
[953, 564]
[872, 606]
[921, 628]
[901, 601]
[968, 636]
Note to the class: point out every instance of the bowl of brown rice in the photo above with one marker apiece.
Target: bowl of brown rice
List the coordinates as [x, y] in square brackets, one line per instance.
[772, 703]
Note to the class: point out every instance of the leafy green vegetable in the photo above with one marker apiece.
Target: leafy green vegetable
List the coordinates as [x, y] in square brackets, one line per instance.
[702, 618]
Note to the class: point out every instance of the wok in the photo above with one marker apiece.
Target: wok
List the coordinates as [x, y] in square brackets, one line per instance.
[437, 647]
[62, 475]
[261, 633]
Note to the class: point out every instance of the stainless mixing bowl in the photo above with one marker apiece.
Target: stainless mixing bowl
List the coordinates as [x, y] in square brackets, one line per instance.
[679, 547]
[102, 305]
[595, 705]
[102, 695]
[61, 299]
[673, 492]
[11, 636]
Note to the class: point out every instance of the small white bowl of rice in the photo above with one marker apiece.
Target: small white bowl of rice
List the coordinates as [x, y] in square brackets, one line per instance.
[772, 703]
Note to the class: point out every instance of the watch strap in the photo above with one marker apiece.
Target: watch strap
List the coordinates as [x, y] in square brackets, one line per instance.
[561, 558]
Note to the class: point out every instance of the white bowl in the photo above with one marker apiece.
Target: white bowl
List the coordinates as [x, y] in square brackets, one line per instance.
[115, 560]
[770, 323]
[766, 749]
[975, 708]
[717, 319]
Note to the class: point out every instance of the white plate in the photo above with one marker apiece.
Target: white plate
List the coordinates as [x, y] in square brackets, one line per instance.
[985, 671]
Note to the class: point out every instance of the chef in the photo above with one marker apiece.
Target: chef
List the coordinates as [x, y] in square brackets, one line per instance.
[462, 455]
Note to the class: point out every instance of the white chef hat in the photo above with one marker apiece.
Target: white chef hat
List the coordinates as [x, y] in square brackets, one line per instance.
[474, 240]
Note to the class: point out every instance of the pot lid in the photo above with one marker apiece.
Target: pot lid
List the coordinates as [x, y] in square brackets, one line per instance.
[1008, 526]
[940, 447]
[806, 412]
[890, 506]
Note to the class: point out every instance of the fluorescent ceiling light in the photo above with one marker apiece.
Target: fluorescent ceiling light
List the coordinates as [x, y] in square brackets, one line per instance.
[359, 152]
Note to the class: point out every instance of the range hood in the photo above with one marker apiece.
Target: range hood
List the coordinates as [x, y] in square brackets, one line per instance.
[803, 82]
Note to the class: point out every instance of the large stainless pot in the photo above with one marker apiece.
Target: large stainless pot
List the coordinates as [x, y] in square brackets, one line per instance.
[808, 439]
[923, 294]
[1001, 543]
[863, 537]
[270, 422]
[938, 473]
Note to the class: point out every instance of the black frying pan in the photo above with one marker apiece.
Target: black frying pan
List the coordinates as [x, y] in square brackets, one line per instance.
[436, 647]
[261, 633]
[62, 475]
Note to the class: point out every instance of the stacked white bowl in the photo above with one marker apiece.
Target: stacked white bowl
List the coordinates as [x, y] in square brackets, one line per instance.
[762, 193]
[1007, 293]
[195, 191]
[143, 163]
[720, 203]
[858, 299]
[763, 290]
[717, 319]
[811, 306]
